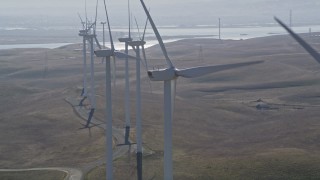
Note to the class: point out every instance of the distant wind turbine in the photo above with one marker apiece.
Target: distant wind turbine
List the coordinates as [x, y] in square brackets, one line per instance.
[108, 53]
[136, 46]
[91, 37]
[169, 76]
[127, 80]
[84, 34]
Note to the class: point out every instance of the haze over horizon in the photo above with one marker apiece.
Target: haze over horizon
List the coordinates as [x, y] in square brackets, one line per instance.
[165, 12]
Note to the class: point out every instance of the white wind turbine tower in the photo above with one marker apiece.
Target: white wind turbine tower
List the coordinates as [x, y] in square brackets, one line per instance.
[169, 76]
[137, 45]
[127, 84]
[108, 53]
[303, 43]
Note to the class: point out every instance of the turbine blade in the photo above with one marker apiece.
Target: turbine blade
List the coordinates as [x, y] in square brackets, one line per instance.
[94, 25]
[85, 9]
[146, 64]
[80, 19]
[303, 43]
[95, 20]
[137, 27]
[129, 16]
[144, 56]
[145, 28]
[156, 32]
[203, 70]
[91, 26]
[122, 55]
[110, 33]
[97, 42]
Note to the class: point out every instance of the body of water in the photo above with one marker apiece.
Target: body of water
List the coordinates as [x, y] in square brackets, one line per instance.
[48, 45]
[235, 33]
[175, 33]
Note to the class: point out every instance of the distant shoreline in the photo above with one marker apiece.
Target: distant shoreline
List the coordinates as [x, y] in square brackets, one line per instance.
[31, 46]
[54, 38]
[20, 35]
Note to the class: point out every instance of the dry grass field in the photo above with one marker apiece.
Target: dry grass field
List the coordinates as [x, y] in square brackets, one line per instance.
[34, 175]
[218, 131]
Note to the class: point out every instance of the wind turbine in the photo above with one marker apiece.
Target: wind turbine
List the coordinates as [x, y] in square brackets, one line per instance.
[136, 46]
[303, 43]
[91, 37]
[108, 53]
[169, 76]
[87, 36]
[84, 34]
[127, 80]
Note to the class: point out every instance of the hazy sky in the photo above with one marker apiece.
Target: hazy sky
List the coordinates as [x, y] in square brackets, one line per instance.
[169, 12]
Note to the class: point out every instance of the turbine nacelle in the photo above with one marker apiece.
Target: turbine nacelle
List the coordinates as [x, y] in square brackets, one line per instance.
[104, 53]
[110, 52]
[83, 32]
[136, 43]
[125, 39]
[162, 74]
